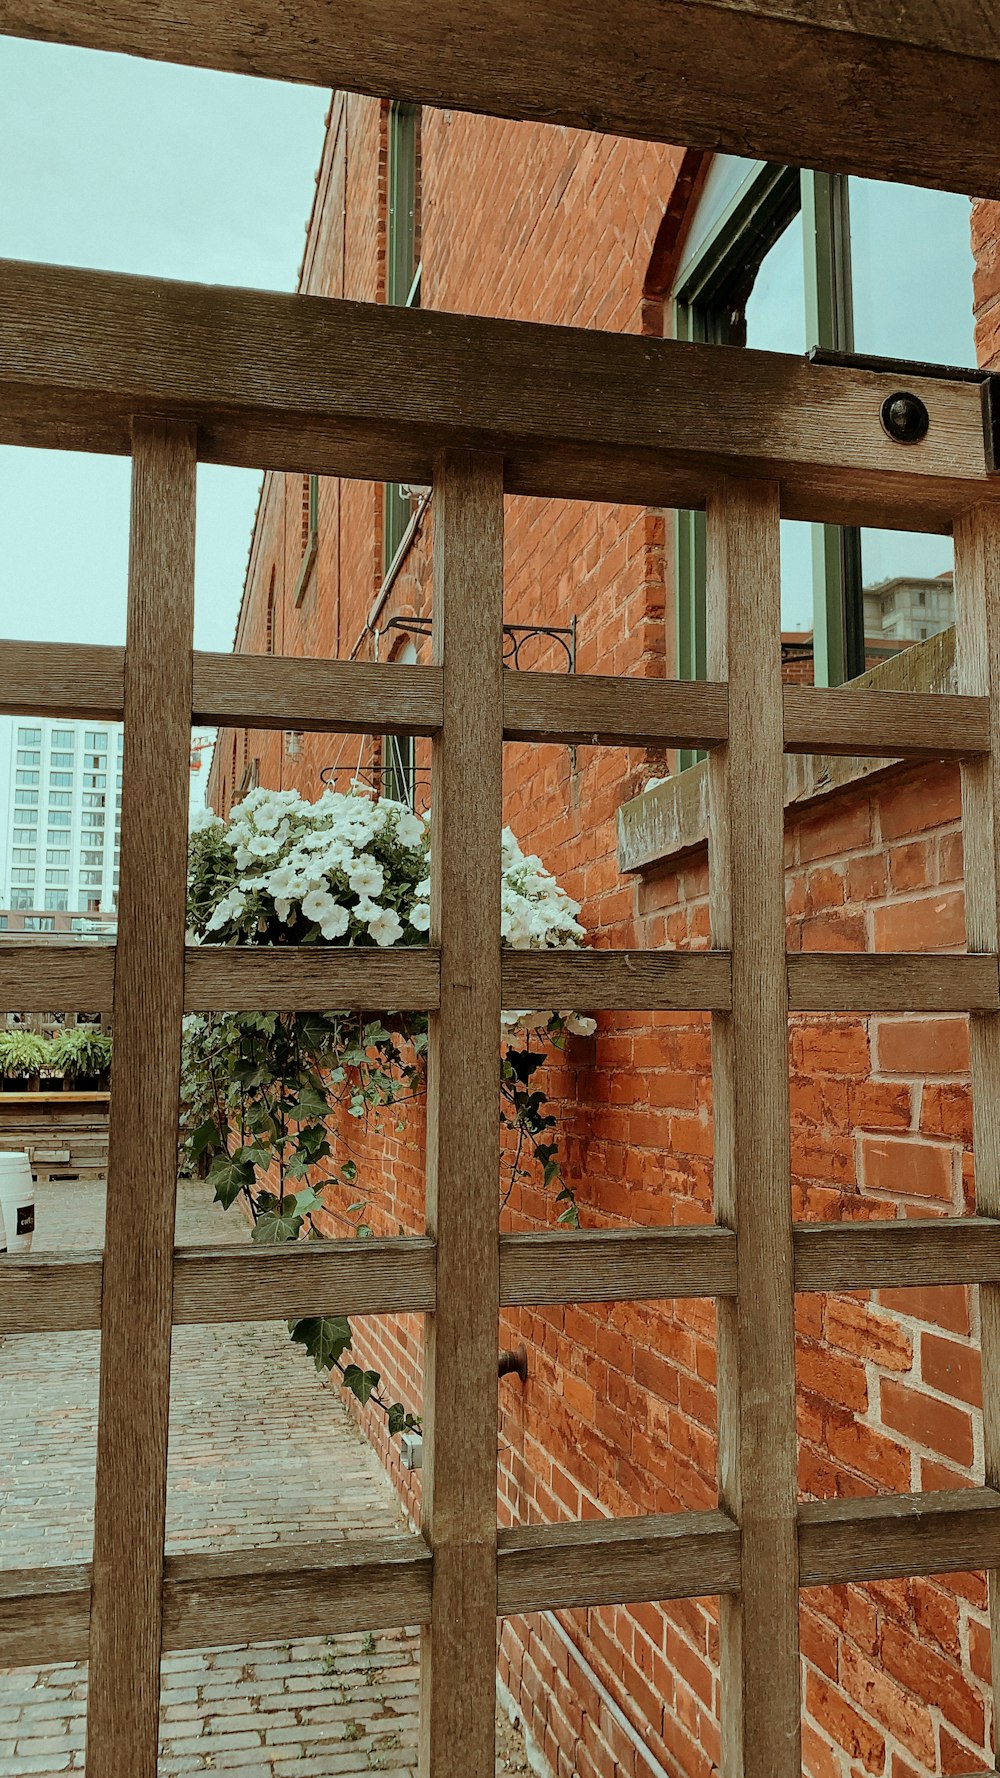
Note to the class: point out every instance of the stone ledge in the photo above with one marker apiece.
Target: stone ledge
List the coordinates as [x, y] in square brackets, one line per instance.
[669, 823]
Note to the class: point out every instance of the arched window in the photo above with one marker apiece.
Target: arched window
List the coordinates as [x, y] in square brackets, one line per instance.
[789, 261]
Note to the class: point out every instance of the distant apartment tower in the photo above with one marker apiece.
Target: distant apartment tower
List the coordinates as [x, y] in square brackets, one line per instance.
[63, 818]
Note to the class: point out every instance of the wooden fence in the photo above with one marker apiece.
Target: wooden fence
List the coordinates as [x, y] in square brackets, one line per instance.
[97, 362]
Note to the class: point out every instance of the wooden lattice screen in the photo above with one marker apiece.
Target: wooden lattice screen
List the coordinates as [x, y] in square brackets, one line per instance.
[175, 373]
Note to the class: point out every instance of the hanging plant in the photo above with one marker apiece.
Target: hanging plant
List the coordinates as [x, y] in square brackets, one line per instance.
[274, 1102]
[23, 1055]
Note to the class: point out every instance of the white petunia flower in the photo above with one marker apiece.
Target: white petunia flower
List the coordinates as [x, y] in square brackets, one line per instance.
[336, 922]
[318, 905]
[386, 928]
[580, 1026]
[366, 910]
[420, 916]
[366, 876]
[410, 831]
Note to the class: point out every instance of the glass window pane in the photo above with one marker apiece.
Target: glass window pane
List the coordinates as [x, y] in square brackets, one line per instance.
[912, 268]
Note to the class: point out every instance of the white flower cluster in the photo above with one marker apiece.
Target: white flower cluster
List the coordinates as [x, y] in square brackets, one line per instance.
[536, 914]
[356, 867]
[347, 865]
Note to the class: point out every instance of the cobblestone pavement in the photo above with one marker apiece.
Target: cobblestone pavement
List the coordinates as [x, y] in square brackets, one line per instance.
[258, 1450]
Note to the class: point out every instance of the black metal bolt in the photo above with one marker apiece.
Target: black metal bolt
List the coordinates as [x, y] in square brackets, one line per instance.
[513, 1364]
[905, 418]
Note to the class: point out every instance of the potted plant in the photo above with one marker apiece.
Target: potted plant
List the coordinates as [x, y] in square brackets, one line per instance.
[23, 1057]
[82, 1054]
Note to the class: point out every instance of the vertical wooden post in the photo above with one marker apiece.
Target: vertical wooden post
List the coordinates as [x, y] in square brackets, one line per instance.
[757, 1448]
[124, 1685]
[458, 1649]
[977, 652]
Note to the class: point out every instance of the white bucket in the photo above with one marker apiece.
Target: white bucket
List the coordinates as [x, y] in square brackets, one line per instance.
[17, 1203]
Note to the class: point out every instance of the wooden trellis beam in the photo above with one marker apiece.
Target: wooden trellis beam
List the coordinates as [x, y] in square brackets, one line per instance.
[347, 697]
[375, 391]
[816, 85]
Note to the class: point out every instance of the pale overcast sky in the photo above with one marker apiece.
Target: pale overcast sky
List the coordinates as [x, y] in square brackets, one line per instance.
[136, 166]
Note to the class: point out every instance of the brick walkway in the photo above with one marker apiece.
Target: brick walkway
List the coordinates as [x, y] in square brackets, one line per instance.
[258, 1450]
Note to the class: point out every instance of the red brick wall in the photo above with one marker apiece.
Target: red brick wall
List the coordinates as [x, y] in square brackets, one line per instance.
[618, 1415]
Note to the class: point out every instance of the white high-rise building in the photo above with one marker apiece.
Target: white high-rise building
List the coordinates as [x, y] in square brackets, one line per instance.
[62, 817]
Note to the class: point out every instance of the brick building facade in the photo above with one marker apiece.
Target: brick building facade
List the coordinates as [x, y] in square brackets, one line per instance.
[618, 1414]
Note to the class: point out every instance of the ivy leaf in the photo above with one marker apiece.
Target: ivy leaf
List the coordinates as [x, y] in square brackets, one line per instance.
[305, 1201]
[349, 1173]
[229, 1178]
[396, 1418]
[570, 1217]
[207, 1135]
[276, 1225]
[309, 1104]
[524, 1063]
[361, 1383]
[324, 1337]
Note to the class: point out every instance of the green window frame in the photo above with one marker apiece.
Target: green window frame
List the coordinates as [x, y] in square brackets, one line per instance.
[708, 301]
[402, 280]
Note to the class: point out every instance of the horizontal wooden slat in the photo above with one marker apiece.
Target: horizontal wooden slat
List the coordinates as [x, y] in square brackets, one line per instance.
[601, 710]
[898, 1254]
[225, 1598]
[49, 1293]
[378, 391]
[617, 1561]
[309, 978]
[44, 1615]
[882, 1537]
[348, 697]
[39, 977]
[884, 724]
[821, 981]
[753, 77]
[305, 1278]
[62, 679]
[622, 981]
[612, 1265]
[295, 1589]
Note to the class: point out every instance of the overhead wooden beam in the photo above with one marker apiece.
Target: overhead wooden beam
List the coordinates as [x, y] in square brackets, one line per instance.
[309, 978]
[362, 389]
[332, 697]
[813, 85]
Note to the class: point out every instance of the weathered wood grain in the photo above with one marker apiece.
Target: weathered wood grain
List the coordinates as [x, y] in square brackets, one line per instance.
[616, 1265]
[900, 982]
[253, 1283]
[889, 724]
[49, 1293]
[309, 978]
[756, 1333]
[752, 77]
[887, 1535]
[897, 1255]
[35, 976]
[376, 391]
[44, 1614]
[458, 1507]
[62, 679]
[617, 1561]
[295, 1589]
[977, 661]
[269, 691]
[125, 1628]
[590, 710]
[619, 981]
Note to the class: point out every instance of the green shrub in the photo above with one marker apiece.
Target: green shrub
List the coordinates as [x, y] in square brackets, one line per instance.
[81, 1052]
[23, 1053]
